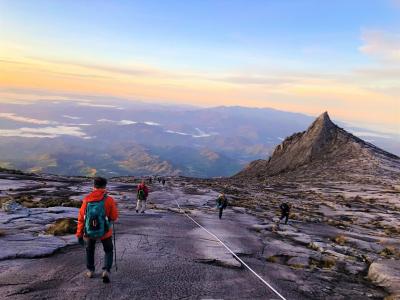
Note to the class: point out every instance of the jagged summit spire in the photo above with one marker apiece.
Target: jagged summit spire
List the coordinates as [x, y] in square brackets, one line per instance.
[324, 117]
[322, 122]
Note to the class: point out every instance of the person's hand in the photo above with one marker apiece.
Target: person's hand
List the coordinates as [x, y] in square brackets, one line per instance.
[81, 241]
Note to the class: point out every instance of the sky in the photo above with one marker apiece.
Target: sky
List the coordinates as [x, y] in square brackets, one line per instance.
[296, 55]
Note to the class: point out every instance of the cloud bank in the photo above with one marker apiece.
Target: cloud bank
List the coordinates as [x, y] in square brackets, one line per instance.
[14, 117]
[44, 132]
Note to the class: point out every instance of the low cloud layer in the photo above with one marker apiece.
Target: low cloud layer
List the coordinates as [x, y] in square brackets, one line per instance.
[16, 118]
[363, 134]
[128, 122]
[199, 134]
[150, 123]
[44, 132]
[90, 104]
[71, 117]
[122, 122]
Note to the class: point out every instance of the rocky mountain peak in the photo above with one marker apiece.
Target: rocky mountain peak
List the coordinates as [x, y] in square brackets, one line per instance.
[323, 142]
[323, 118]
[323, 122]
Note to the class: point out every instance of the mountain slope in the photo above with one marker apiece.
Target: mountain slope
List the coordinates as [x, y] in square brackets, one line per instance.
[323, 145]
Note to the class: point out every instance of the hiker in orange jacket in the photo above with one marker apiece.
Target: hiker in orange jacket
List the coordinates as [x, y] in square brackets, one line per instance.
[98, 194]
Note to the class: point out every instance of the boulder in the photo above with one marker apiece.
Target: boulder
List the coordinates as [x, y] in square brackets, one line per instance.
[386, 273]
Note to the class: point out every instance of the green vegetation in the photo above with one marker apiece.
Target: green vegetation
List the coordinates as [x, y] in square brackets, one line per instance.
[63, 227]
[389, 252]
[337, 223]
[272, 259]
[297, 266]
[324, 262]
[4, 200]
[340, 240]
[28, 202]
[391, 230]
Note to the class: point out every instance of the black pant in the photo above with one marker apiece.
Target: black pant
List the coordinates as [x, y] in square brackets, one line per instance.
[221, 209]
[108, 254]
[284, 215]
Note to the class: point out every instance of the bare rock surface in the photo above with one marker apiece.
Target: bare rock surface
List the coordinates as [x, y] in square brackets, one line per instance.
[161, 254]
[24, 232]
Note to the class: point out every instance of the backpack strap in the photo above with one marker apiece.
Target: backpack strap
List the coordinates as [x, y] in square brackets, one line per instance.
[104, 197]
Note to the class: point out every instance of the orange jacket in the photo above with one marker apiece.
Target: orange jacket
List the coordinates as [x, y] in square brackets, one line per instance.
[110, 206]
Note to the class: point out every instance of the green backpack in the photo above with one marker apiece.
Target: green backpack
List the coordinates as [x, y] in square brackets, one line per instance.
[141, 195]
[96, 221]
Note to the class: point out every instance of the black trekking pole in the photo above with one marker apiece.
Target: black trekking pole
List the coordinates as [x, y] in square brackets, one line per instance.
[115, 249]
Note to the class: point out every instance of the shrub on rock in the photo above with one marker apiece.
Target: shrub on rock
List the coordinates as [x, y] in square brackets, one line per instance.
[340, 240]
[45, 203]
[63, 227]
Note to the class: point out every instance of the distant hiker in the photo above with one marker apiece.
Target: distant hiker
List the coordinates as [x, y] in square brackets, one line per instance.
[97, 211]
[141, 194]
[222, 203]
[150, 180]
[159, 179]
[163, 181]
[285, 210]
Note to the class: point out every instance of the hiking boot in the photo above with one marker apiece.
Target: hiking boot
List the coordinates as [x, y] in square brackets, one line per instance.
[89, 274]
[106, 277]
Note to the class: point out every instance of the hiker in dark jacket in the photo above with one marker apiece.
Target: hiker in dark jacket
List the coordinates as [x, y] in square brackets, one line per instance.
[89, 230]
[163, 181]
[222, 203]
[142, 193]
[285, 211]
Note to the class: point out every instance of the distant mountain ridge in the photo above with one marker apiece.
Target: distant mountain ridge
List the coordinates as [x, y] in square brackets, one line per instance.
[123, 138]
[73, 139]
[323, 142]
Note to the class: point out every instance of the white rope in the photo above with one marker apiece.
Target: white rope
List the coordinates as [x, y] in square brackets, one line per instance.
[237, 257]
